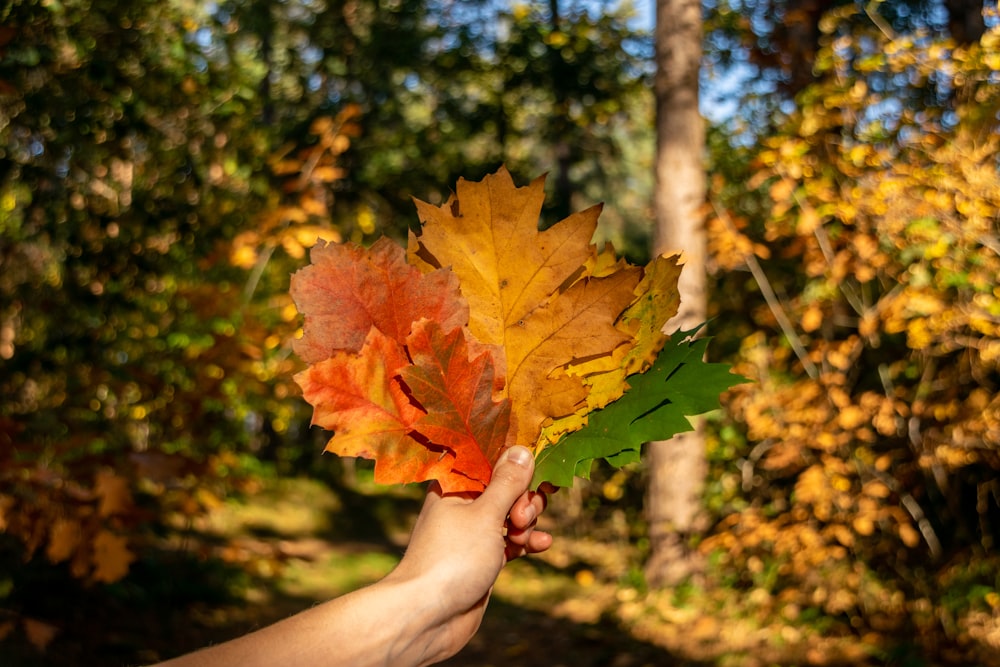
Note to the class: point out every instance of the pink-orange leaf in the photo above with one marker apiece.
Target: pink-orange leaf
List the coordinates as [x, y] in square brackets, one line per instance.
[347, 290]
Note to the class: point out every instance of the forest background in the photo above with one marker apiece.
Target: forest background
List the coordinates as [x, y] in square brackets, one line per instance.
[164, 167]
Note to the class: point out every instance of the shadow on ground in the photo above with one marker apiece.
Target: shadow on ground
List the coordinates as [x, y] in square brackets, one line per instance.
[129, 633]
[514, 636]
[267, 557]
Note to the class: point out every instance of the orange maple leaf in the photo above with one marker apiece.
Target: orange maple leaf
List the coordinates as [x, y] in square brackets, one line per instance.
[65, 536]
[113, 492]
[39, 633]
[457, 391]
[111, 557]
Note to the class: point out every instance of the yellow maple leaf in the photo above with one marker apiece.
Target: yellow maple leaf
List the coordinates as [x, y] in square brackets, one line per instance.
[505, 265]
[532, 294]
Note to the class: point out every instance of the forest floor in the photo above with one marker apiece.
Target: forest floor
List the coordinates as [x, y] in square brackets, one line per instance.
[581, 604]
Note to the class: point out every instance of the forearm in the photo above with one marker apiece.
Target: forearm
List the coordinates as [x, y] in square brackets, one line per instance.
[390, 623]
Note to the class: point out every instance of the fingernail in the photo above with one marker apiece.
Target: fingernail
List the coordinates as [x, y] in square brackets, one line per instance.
[519, 455]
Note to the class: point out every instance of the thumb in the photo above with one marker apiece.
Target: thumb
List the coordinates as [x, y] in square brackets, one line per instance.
[511, 478]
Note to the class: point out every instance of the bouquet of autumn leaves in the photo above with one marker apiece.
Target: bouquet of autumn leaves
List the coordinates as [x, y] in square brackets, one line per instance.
[485, 332]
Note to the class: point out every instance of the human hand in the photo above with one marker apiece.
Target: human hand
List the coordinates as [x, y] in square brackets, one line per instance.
[460, 544]
[429, 606]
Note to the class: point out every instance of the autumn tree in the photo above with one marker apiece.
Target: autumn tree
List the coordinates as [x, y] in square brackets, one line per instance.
[142, 347]
[855, 247]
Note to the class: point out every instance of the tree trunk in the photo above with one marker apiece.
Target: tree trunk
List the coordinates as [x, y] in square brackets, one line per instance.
[965, 20]
[677, 467]
[562, 75]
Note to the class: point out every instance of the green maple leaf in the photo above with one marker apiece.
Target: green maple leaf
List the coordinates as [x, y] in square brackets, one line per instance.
[680, 384]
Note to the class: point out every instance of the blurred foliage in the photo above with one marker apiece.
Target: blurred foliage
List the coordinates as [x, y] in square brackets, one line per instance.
[139, 366]
[450, 90]
[164, 167]
[759, 55]
[857, 252]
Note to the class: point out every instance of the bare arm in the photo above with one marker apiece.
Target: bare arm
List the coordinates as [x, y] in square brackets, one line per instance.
[429, 606]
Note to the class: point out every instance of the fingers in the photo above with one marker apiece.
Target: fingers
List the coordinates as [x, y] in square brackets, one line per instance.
[527, 508]
[522, 536]
[530, 541]
[508, 501]
[538, 541]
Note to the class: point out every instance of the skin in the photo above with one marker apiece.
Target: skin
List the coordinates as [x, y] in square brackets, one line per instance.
[429, 606]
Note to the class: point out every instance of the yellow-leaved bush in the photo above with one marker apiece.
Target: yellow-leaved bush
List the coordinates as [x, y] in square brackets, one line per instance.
[872, 462]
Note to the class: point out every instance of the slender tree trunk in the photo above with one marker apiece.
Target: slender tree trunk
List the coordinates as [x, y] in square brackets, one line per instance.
[562, 204]
[265, 30]
[677, 467]
[965, 20]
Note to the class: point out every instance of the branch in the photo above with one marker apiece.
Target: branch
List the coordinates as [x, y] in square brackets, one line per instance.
[773, 302]
[880, 23]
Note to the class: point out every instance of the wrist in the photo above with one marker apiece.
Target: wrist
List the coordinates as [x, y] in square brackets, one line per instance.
[420, 632]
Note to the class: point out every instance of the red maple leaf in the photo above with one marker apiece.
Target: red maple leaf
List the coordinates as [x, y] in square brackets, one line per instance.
[390, 370]
[457, 393]
[361, 398]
